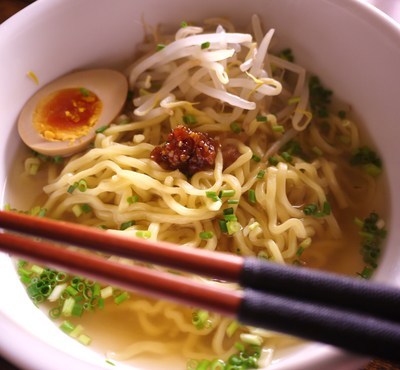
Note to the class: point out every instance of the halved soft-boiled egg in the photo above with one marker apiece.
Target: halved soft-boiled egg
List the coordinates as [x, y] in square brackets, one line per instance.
[63, 116]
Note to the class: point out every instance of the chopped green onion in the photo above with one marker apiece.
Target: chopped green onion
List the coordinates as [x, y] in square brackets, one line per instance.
[200, 319]
[110, 362]
[77, 210]
[372, 233]
[227, 193]
[184, 24]
[76, 332]
[55, 312]
[305, 243]
[222, 226]
[300, 251]
[42, 212]
[252, 196]
[189, 119]
[217, 365]
[86, 208]
[233, 227]
[22, 263]
[106, 292]
[231, 329]
[126, 225]
[71, 290]
[77, 310]
[72, 187]
[255, 158]
[96, 290]
[363, 156]
[320, 97]
[372, 169]
[24, 272]
[25, 279]
[260, 174]
[235, 127]
[121, 298]
[82, 185]
[261, 118]
[33, 169]
[58, 159]
[252, 339]
[68, 306]
[100, 303]
[204, 235]
[254, 225]
[160, 47]
[212, 195]
[273, 161]
[287, 157]
[84, 339]
[102, 129]
[229, 217]
[67, 327]
[228, 211]
[132, 199]
[310, 209]
[366, 273]
[233, 201]
[203, 365]
[37, 269]
[205, 45]
[84, 92]
[278, 128]
[144, 234]
[326, 208]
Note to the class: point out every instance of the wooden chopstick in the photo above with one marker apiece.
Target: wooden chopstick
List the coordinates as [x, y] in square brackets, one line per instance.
[380, 300]
[220, 266]
[156, 283]
[352, 329]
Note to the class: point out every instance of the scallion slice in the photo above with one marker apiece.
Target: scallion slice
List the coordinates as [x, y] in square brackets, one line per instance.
[227, 193]
[252, 196]
[205, 235]
[235, 127]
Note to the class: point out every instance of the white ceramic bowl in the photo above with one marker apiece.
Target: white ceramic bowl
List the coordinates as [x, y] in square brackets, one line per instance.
[354, 48]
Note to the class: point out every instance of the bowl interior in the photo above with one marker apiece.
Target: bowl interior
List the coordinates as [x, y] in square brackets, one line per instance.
[349, 45]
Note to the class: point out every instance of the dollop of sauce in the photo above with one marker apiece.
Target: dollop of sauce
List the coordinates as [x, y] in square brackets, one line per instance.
[67, 114]
[187, 150]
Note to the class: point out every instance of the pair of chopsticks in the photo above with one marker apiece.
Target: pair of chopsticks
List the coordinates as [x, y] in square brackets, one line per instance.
[349, 313]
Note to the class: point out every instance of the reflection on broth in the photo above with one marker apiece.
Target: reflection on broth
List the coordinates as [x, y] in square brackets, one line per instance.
[285, 177]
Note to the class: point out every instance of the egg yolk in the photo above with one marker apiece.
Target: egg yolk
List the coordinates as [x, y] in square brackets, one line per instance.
[67, 114]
